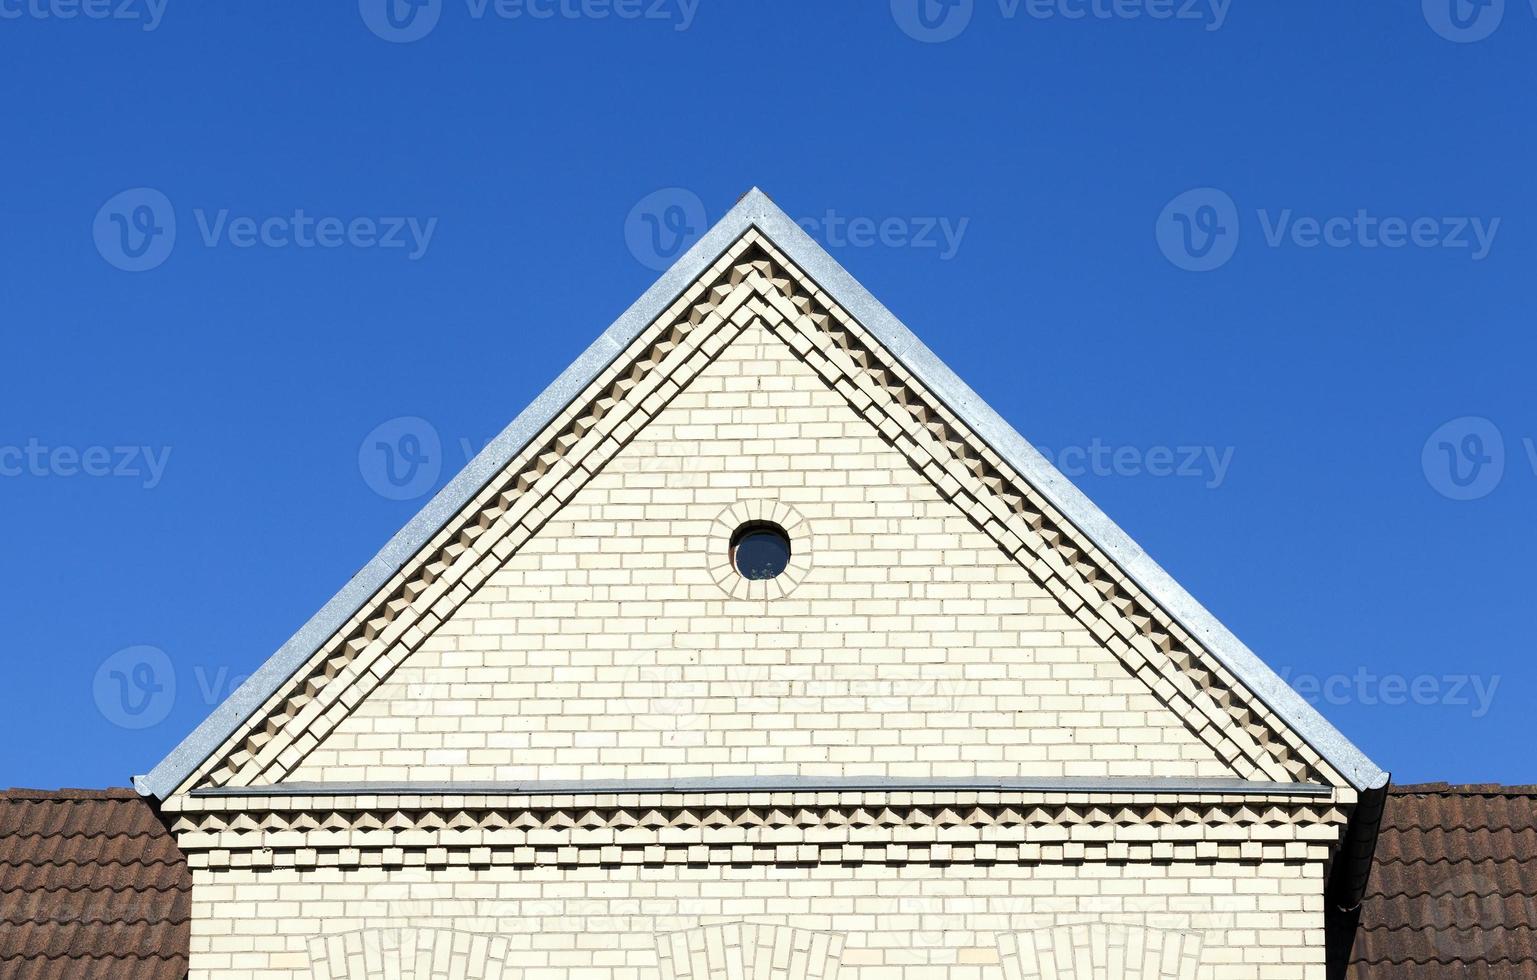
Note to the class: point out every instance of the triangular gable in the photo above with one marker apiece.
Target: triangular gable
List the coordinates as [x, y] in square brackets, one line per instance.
[758, 262]
[618, 643]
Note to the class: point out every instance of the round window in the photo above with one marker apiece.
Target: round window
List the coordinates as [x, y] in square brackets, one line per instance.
[760, 550]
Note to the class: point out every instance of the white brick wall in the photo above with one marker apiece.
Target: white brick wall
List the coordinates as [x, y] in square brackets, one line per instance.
[605, 649]
[1255, 922]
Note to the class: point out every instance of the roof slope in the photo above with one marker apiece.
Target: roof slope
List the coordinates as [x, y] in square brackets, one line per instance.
[92, 885]
[1454, 890]
[756, 211]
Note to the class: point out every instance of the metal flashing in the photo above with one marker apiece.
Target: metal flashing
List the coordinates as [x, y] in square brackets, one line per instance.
[782, 784]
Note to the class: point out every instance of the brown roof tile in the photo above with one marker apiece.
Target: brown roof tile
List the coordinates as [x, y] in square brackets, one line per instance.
[91, 886]
[1453, 893]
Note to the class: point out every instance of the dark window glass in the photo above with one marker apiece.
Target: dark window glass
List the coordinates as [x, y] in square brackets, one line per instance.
[760, 551]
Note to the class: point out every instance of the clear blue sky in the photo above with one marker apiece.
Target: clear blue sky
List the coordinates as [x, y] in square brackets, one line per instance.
[1359, 506]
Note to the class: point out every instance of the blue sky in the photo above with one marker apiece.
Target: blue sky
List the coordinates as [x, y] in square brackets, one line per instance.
[1258, 275]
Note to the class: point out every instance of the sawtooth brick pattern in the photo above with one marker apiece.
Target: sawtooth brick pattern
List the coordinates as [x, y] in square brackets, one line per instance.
[744, 829]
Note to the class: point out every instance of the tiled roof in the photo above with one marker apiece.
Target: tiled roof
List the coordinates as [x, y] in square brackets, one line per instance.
[92, 887]
[1453, 893]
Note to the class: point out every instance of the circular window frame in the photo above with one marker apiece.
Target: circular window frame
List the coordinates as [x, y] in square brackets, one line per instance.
[744, 518]
[754, 529]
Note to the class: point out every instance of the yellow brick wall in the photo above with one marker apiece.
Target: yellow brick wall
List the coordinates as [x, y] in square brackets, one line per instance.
[1253, 922]
[611, 647]
[911, 646]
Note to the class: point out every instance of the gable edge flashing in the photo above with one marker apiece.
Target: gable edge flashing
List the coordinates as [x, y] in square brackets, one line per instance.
[756, 210]
[1072, 503]
[183, 760]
